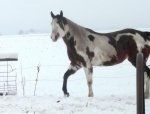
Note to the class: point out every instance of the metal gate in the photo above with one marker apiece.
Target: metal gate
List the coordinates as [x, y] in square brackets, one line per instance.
[8, 74]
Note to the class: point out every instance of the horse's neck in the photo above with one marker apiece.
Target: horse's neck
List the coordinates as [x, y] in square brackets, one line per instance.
[75, 30]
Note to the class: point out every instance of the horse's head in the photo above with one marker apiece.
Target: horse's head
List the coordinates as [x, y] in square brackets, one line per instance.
[58, 26]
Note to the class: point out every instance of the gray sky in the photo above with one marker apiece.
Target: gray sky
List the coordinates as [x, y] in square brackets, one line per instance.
[16, 15]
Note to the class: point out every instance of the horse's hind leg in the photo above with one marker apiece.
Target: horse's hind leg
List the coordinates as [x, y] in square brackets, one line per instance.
[72, 69]
[146, 76]
[147, 81]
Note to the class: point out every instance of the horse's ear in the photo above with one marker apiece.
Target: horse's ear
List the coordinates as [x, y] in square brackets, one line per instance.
[61, 13]
[52, 14]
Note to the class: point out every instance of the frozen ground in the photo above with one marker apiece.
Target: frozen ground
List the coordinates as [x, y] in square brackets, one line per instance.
[114, 87]
[73, 105]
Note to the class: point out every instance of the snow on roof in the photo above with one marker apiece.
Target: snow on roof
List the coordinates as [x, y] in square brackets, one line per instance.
[8, 56]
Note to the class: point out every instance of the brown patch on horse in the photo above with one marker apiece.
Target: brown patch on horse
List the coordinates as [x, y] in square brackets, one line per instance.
[146, 52]
[125, 47]
[89, 53]
[91, 38]
[111, 62]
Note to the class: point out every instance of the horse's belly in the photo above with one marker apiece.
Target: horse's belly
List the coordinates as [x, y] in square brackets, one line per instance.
[108, 59]
[99, 60]
[103, 54]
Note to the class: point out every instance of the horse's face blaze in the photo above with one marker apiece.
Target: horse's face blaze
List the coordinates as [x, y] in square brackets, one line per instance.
[56, 31]
[57, 27]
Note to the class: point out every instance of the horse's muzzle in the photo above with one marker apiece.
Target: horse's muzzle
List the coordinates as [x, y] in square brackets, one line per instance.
[55, 37]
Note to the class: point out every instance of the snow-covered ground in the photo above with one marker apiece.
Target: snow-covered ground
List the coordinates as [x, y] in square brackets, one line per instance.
[114, 87]
[73, 105]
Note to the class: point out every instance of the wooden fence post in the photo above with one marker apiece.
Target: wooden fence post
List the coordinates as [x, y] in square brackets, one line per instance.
[140, 84]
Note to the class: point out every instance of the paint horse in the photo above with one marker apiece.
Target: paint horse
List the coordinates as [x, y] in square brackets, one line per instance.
[87, 48]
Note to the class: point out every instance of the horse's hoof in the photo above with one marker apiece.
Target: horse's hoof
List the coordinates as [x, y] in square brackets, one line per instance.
[91, 95]
[66, 95]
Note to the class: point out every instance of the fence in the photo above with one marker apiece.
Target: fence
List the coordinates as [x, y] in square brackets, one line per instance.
[8, 76]
[140, 84]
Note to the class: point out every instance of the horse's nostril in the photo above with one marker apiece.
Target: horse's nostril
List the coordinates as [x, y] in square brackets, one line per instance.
[57, 35]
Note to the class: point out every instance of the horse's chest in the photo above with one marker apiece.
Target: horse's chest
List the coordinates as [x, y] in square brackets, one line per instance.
[75, 57]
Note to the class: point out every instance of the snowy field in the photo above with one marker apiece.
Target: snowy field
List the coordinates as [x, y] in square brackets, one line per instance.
[114, 87]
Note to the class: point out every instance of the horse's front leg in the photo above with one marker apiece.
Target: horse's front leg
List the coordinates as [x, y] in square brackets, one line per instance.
[89, 72]
[72, 69]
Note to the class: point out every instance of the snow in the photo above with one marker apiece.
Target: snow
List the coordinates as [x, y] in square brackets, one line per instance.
[8, 56]
[114, 87]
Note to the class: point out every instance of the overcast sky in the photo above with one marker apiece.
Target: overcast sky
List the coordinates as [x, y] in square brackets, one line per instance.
[25, 15]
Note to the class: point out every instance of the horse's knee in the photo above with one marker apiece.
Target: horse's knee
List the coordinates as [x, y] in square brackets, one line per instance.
[68, 73]
[90, 82]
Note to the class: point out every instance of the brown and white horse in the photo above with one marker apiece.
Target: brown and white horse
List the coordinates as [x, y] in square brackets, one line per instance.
[87, 48]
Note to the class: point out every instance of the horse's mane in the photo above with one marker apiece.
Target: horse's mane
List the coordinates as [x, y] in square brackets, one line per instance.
[78, 29]
[74, 28]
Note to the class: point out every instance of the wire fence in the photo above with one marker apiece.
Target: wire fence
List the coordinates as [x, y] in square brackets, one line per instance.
[8, 79]
[28, 74]
[105, 75]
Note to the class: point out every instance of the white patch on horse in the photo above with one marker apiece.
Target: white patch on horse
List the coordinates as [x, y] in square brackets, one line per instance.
[57, 32]
[103, 50]
[140, 42]
[147, 42]
[75, 68]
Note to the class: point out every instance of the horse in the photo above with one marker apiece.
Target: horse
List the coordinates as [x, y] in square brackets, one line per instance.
[87, 48]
